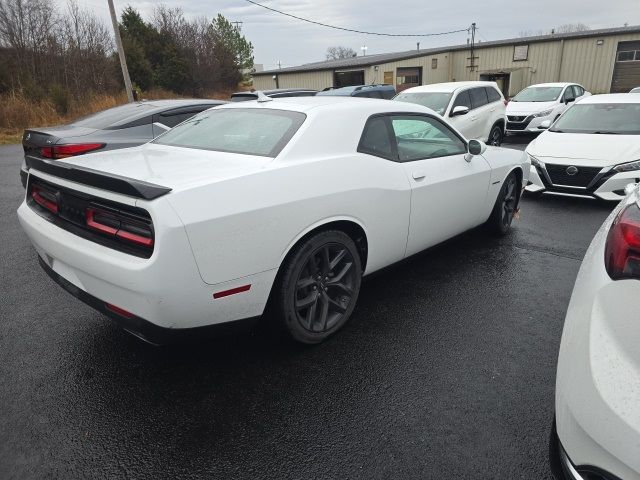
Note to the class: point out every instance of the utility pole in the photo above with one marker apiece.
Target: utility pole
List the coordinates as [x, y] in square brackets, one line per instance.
[472, 57]
[123, 60]
[238, 25]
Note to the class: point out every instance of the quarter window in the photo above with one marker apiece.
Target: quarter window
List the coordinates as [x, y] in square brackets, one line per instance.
[493, 95]
[419, 138]
[375, 139]
[478, 97]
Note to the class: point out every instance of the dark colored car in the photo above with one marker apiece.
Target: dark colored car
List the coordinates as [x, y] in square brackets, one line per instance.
[123, 126]
[276, 93]
[381, 90]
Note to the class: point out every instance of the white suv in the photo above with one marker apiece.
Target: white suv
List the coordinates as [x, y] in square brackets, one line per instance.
[537, 103]
[476, 109]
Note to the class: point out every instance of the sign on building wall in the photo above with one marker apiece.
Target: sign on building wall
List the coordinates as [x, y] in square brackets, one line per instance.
[388, 78]
[520, 52]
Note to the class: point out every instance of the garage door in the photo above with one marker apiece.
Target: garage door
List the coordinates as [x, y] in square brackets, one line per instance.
[626, 73]
[408, 77]
[347, 78]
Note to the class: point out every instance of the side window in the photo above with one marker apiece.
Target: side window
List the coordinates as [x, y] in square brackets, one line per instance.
[568, 94]
[375, 139]
[170, 119]
[362, 94]
[578, 90]
[375, 94]
[493, 94]
[462, 100]
[419, 138]
[478, 97]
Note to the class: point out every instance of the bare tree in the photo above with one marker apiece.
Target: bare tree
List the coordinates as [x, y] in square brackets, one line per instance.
[566, 28]
[336, 53]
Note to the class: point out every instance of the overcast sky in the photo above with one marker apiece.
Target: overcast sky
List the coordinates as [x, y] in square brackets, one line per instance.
[292, 42]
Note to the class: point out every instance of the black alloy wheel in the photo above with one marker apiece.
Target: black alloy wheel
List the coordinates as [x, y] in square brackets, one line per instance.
[495, 137]
[319, 286]
[505, 207]
[325, 287]
[509, 202]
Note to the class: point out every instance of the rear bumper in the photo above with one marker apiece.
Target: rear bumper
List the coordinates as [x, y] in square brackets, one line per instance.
[165, 290]
[139, 327]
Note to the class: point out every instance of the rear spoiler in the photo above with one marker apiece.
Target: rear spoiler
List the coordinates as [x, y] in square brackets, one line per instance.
[94, 178]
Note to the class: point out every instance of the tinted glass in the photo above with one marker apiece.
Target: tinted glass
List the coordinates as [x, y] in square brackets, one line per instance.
[106, 118]
[568, 94]
[463, 100]
[436, 101]
[173, 120]
[420, 138]
[478, 97]
[248, 131]
[538, 94]
[620, 118]
[578, 90]
[344, 91]
[493, 94]
[375, 138]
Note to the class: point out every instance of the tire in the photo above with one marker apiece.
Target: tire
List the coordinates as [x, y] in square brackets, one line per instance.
[318, 287]
[495, 136]
[505, 207]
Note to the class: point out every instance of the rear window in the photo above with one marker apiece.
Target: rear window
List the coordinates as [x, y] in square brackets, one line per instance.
[248, 131]
[111, 116]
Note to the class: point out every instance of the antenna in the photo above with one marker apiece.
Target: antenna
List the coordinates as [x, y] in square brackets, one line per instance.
[262, 97]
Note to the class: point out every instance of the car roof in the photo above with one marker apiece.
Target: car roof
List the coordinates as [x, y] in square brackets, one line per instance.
[181, 102]
[612, 98]
[317, 103]
[357, 88]
[125, 114]
[449, 87]
[553, 84]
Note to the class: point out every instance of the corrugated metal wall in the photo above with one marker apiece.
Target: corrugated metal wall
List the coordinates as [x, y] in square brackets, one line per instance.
[578, 60]
[316, 80]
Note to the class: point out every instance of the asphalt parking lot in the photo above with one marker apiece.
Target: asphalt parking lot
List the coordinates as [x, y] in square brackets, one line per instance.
[446, 370]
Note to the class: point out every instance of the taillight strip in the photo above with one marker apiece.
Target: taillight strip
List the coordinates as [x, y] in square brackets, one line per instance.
[43, 202]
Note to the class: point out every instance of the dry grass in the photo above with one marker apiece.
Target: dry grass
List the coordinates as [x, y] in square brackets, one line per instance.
[18, 112]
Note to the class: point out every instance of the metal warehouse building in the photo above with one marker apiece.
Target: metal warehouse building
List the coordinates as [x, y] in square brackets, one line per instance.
[602, 61]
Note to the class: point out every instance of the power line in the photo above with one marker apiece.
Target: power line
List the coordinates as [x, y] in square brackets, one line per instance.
[357, 31]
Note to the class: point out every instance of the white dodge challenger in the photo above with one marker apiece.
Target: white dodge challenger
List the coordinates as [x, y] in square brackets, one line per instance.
[285, 203]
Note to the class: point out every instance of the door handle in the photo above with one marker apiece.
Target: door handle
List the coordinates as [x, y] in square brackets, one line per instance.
[418, 176]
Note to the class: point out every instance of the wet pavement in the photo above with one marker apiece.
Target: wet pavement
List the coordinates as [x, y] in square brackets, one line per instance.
[446, 370]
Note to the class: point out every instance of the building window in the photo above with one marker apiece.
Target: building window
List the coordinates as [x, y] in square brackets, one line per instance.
[629, 56]
[520, 52]
[434, 63]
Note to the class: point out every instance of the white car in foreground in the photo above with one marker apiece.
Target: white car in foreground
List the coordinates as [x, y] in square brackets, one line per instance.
[287, 202]
[476, 109]
[539, 103]
[598, 380]
[592, 150]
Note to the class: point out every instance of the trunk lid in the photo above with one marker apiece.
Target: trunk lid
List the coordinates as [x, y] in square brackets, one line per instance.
[33, 139]
[176, 168]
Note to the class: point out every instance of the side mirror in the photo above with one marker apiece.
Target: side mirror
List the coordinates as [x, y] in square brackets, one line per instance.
[459, 110]
[567, 101]
[476, 147]
[544, 125]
